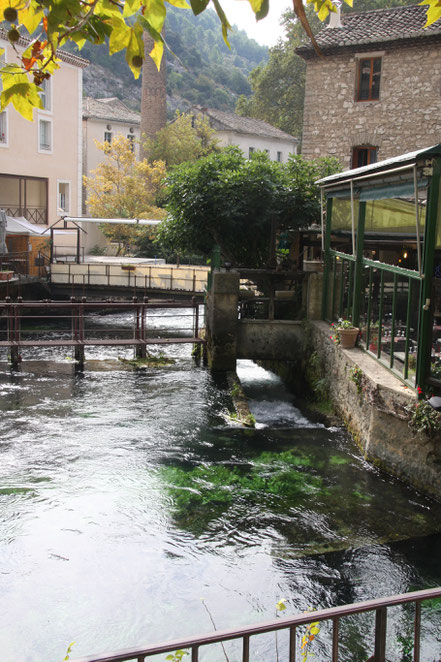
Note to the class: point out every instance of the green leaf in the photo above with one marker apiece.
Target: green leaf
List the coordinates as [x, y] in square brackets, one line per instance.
[198, 6]
[225, 24]
[263, 11]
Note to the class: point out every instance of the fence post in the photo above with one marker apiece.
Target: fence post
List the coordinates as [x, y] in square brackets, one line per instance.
[358, 275]
[380, 634]
[15, 334]
[327, 260]
[79, 348]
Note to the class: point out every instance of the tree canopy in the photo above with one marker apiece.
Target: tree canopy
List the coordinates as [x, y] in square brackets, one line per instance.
[51, 24]
[187, 138]
[235, 202]
[122, 187]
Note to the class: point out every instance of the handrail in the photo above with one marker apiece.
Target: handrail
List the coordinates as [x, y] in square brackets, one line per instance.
[333, 613]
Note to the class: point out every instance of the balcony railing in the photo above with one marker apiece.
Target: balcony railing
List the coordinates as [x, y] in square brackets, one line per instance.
[291, 625]
[37, 215]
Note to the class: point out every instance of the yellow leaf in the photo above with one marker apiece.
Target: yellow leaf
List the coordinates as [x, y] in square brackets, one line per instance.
[181, 4]
[255, 5]
[30, 17]
[24, 97]
[281, 606]
[156, 12]
[131, 7]
[120, 35]
[315, 630]
[156, 53]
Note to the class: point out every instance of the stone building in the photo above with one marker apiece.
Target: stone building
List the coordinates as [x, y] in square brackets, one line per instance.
[249, 134]
[376, 92]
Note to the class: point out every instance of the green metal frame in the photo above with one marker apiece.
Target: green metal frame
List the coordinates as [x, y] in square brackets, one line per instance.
[354, 267]
[425, 328]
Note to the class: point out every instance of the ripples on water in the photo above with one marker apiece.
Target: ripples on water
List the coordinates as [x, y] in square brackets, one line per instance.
[103, 539]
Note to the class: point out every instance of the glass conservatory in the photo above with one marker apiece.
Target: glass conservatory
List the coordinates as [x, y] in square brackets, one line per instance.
[381, 238]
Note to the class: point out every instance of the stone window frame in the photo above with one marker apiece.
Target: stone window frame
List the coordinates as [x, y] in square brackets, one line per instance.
[377, 55]
[370, 149]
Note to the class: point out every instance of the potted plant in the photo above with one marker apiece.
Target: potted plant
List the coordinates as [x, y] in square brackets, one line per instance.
[6, 274]
[346, 333]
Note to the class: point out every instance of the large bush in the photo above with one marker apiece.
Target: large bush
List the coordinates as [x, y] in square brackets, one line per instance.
[240, 204]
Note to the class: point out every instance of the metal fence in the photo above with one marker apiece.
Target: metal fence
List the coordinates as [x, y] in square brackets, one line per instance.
[387, 303]
[137, 276]
[27, 324]
[295, 627]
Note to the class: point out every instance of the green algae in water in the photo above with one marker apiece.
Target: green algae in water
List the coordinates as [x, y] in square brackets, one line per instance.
[271, 474]
[17, 490]
[314, 496]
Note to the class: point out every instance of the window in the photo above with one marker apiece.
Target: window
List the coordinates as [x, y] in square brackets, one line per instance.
[64, 197]
[45, 136]
[279, 157]
[250, 152]
[107, 137]
[131, 139]
[24, 196]
[45, 94]
[369, 74]
[362, 156]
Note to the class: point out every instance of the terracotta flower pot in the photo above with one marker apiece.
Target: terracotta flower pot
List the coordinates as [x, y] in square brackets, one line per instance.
[348, 337]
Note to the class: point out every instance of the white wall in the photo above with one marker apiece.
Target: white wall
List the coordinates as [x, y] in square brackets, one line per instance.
[21, 155]
[245, 141]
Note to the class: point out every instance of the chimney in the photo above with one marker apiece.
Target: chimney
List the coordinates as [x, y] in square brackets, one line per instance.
[153, 95]
[335, 17]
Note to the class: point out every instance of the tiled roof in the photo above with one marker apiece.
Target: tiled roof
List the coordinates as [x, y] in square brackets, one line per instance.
[222, 121]
[70, 58]
[381, 27]
[109, 109]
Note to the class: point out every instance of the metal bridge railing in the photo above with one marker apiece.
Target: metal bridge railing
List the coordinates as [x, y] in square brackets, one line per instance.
[136, 276]
[25, 324]
[292, 625]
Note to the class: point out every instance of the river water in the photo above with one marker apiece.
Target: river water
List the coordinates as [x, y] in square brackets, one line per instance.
[130, 504]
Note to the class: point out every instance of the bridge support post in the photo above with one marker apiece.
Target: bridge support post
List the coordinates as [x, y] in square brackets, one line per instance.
[222, 321]
[15, 358]
[140, 351]
[79, 358]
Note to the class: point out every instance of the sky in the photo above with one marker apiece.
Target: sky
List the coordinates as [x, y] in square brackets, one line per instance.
[266, 31]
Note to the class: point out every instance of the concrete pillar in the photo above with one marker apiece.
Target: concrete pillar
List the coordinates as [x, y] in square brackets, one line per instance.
[222, 321]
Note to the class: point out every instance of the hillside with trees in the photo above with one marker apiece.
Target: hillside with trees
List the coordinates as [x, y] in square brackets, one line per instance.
[201, 69]
[278, 86]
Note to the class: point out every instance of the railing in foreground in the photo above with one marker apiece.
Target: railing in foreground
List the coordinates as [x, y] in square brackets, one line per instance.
[334, 615]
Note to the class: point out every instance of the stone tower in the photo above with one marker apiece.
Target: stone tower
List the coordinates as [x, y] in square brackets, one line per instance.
[153, 96]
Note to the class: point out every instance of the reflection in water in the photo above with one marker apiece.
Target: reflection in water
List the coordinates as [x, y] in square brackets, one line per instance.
[125, 498]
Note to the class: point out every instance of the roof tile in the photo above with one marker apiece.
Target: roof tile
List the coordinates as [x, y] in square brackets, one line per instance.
[381, 26]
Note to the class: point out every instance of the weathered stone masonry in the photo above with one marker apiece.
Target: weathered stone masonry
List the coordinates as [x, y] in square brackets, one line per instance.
[406, 117]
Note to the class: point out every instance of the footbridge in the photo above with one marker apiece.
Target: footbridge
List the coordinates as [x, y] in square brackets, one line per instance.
[133, 277]
[32, 324]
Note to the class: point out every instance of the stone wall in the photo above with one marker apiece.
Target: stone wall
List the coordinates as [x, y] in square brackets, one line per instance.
[405, 118]
[377, 416]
